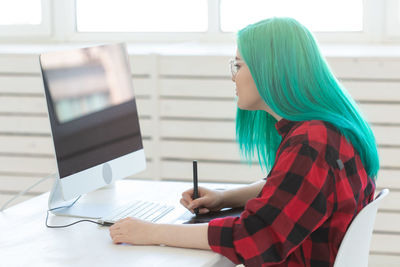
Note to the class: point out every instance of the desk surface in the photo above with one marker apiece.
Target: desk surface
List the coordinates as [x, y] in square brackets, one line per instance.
[26, 241]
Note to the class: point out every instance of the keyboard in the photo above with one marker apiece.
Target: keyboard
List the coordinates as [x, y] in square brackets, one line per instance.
[144, 210]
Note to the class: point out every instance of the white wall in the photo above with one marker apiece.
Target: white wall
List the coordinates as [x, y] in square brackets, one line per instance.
[187, 109]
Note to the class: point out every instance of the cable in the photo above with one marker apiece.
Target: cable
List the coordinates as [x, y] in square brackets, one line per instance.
[63, 226]
[47, 215]
[25, 191]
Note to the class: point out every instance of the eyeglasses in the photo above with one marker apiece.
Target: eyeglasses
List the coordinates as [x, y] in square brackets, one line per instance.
[234, 67]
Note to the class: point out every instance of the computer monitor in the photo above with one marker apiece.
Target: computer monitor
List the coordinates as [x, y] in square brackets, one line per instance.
[94, 121]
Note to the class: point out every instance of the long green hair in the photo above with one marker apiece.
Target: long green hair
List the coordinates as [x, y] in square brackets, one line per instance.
[295, 81]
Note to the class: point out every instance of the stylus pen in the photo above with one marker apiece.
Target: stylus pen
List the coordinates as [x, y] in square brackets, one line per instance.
[195, 185]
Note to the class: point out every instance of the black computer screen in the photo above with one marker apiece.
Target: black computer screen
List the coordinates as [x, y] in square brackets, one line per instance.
[92, 108]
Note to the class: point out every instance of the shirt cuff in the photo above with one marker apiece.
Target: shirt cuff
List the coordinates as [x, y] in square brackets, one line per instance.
[220, 238]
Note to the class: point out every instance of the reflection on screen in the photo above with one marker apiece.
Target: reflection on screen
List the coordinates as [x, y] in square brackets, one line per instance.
[86, 81]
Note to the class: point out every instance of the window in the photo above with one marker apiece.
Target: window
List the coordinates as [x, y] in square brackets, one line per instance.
[24, 17]
[11, 12]
[142, 16]
[332, 21]
[317, 15]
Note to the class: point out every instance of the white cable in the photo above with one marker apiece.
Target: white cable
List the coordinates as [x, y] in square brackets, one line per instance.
[25, 191]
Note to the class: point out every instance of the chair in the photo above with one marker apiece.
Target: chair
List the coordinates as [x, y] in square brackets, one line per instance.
[354, 249]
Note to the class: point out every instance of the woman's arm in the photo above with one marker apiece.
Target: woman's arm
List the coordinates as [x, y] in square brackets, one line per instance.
[139, 232]
[195, 235]
[184, 236]
[238, 197]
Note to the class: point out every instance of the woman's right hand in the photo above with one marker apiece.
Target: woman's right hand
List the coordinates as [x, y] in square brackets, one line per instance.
[209, 200]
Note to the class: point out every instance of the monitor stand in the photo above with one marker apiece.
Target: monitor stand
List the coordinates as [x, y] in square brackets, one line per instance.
[82, 208]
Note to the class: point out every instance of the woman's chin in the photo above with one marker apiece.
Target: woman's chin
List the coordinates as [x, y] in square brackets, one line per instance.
[242, 106]
[246, 107]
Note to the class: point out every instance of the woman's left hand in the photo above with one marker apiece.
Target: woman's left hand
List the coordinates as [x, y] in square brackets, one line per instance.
[132, 231]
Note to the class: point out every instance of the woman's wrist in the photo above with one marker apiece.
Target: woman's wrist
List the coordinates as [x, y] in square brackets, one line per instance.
[237, 197]
[224, 203]
[185, 235]
[229, 198]
[154, 233]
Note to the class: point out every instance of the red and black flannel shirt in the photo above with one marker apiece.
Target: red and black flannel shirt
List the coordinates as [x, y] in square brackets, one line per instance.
[314, 190]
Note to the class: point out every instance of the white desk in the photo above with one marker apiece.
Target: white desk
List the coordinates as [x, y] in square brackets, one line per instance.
[26, 241]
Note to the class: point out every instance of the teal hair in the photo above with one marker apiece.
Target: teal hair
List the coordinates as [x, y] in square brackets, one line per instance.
[295, 81]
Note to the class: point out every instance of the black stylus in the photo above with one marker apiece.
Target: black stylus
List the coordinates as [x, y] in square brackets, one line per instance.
[195, 185]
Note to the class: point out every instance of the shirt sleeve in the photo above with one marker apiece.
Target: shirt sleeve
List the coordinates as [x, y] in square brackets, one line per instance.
[295, 200]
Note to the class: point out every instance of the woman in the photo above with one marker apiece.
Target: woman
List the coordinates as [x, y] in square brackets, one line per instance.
[308, 133]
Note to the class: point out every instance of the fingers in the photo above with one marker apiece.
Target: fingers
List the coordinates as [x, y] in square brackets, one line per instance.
[201, 210]
[204, 211]
[115, 232]
[188, 202]
[117, 228]
[118, 231]
[116, 235]
[114, 227]
[184, 203]
[117, 224]
[186, 199]
[187, 195]
[117, 239]
[197, 203]
[192, 205]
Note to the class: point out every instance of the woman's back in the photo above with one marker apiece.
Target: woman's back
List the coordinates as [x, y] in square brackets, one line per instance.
[314, 190]
[353, 189]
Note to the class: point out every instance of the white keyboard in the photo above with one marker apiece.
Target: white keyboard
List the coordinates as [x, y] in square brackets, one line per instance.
[148, 211]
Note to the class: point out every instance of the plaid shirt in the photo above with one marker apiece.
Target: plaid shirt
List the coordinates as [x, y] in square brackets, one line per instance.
[314, 190]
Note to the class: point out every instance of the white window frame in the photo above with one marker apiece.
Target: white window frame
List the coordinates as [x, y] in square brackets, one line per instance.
[374, 22]
[18, 32]
[392, 20]
[59, 19]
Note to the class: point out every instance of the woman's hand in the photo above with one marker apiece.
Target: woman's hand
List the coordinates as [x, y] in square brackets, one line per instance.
[132, 231]
[209, 200]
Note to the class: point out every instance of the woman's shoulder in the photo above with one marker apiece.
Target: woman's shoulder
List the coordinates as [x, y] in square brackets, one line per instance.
[317, 134]
[322, 136]
[314, 131]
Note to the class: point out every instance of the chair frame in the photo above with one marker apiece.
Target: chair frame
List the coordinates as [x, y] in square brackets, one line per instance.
[354, 249]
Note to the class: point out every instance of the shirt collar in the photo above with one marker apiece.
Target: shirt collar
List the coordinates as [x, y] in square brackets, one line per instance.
[284, 126]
